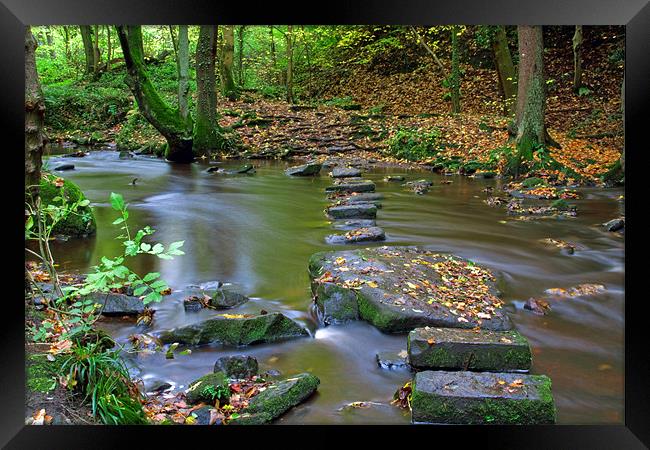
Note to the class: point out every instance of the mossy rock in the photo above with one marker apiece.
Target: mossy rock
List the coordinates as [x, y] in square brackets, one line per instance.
[532, 182]
[209, 388]
[42, 373]
[277, 399]
[79, 224]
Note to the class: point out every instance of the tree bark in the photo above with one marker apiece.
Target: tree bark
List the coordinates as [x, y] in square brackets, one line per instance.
[454, 79]
[623, 111]
[531, 95]
[66, 33]
[228, 88]
[274, 59]
[183, 71]
[89, 51]
[176, 130]
[240, 61]
[207, 135]
[577, 58]
[505, 69]
[34, 116]
[289, 40]
[50, 42]
[109, 48]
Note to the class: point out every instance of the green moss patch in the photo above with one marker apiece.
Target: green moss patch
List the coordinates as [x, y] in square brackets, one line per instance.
[77, 224]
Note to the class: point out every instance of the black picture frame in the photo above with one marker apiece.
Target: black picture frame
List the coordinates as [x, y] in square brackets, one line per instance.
[635, 14]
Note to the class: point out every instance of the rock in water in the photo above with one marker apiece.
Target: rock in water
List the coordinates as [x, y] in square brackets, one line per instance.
[63, 167]
[368, 234]
[344, 172]
[614, 225]
[398, 289]
[124, 154]
[229, 329]
[277, 399]
[394, 178]
[225, 299]
[352, 224]
[352, 186]
[304, 170]
[482, 398]
[393, 360]
[238, 366]
[356, 211]
[118, 304]
[454, 348]
[205, 388]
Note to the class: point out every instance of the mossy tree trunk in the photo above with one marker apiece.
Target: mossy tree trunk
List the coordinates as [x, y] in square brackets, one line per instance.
[89, 51]
[577, 58]
[289, 78]
[274, 59]
[207, 135]
[454, 78]
[228, 88]
[505, 69]
[34, 116]
[96, 53]
[240, 60]
[168, 121]
[50, 42]
[531, 96]
[183, 71]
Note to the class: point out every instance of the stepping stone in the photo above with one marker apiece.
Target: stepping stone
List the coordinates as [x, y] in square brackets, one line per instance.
[368, 234]
[614, 225]
[352, 224]
[238, 366]
[454, 348]
[277, 399]
[117, 304]
[358, 211]
[305, 170]
[393, 360]
[482, 398]
[395, 178]
[352, 186]
[225, 299]
[353, 200]
[235, 329]
[63, 167]
[343, 172]
[401, 288]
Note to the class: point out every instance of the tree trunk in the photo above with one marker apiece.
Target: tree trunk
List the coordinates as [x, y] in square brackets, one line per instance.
[289, 39]
[109, 48]
[207, 135]
[34, 115]
[505, 69]
[66, 33]
[240, 61]
[577, 58]
[176, 130]
[531, 95]
[50, 42]
[96, 50]
[228, 88]
[87, 38]
[183, 70]
[454, 79]
[274, 59]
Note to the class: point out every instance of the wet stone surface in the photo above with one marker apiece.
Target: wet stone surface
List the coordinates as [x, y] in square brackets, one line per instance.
[356, 211]
[367, 234]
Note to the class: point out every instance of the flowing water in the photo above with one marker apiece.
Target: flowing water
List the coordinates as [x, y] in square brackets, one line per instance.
[258, 231]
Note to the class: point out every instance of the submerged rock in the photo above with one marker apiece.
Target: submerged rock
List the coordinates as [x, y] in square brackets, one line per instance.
[395, 178]
[238, 366]
[368, 234]
[63, 167]
[125, 154]
[277, 399]
[344, 172]
[230, 329]
[356, 211]
[482, 398]
[304, 170]
[398, 289]
[246, 168]
[118, 304]
[393, 360]
[225, 299]
[208, 388]
[449, 348]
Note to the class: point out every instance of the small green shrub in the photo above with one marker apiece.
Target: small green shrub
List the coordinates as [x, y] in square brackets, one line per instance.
[532, 182]
[414, 144]
[81, 222]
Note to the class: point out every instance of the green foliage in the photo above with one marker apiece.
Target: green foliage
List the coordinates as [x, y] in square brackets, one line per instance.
[583, 91]
[560, 204]
[103, 379]
[219, 393]
[414, 144]
[67, 210]
[532, 182]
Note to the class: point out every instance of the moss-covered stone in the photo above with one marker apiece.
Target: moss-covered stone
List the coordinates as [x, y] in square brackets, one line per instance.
[482, 398]
[42, 373]
[335, 304]
[449, 348]
[78, 224]
[277, 399]
[209, 388]
[234, 330]
[237, 366]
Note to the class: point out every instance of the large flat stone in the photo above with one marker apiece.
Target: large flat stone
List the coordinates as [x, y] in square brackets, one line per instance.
[235, 330]
[356, 211]
[366, 234]
[344, 172]
[352, 186]
[482, 398]
[353, 223]
[118, 304]
[304, 170]
[402, 288]
[455, 348]
[277, 399]
[335, 304]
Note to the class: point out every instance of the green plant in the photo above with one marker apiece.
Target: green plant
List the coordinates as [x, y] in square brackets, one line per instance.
[532, 182]
[414, 144]
[560, 204]
[219, 393]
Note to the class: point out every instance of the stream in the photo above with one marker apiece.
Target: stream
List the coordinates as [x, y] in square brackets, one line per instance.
[258, 231]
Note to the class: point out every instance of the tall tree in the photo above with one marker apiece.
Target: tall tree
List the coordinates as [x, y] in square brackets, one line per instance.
[577, 58]
[531, 96]
[96, 50]
[228, 87]
[50, 42]
[505, 68]
[34, 115]
[109, 48]
[454, 79]
[89, 49]
[183, 70]
[240, 60]
[289, 40]
[207, 135]
[176, 130]
[274, 59]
